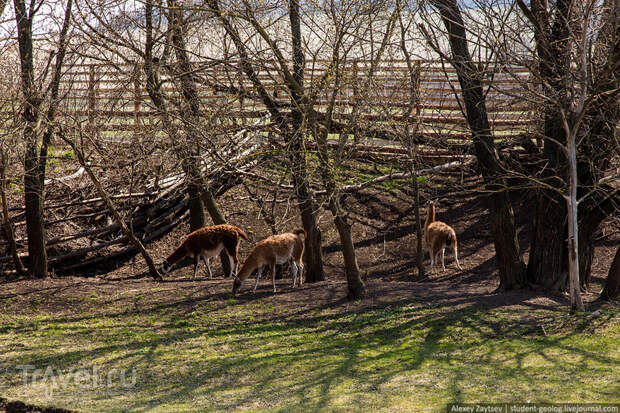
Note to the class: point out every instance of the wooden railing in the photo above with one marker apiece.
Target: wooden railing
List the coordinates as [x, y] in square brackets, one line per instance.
[114, 102]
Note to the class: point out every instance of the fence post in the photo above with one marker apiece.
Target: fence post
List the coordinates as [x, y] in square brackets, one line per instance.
[355, 109]
[137, 103]
[92, 99]
[418, 94]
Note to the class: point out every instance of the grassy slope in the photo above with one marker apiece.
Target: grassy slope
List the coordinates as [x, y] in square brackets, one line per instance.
[220, 354]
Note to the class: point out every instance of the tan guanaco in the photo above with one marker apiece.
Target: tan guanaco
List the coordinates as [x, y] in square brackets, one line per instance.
[437, 236]
[277, 249]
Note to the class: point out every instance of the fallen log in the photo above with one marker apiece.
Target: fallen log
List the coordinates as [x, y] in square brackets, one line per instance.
[90, 201]
[401, 175]
[63, 179]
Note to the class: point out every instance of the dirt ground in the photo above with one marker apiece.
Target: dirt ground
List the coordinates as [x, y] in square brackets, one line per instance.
[384, 232]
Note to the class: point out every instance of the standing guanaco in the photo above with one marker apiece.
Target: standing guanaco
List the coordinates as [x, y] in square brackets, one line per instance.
[207, 243]
[438, 235]
[277, 249]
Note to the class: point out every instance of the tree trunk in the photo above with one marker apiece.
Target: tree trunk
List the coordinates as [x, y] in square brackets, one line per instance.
[547, 261]
[8, 227]
[313, 254]
[509, 260]
[612, 286]
[418, 222]
[197, 217]
[573, 228]
[218, 219]
[33, 190]
[356, 287]
[189, 150]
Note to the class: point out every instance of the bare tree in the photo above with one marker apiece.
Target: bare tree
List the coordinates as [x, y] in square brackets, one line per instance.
[510, 263]
[410, 131]
[34, 97]
[292, 133]
[580, 118]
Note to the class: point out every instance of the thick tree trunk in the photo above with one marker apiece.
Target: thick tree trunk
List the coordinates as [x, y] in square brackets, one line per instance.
[547, 264]
[197, 217]
[510, 262]
[313, 254]
[356, 287]
[612, 286]
[33, 190]
[548, 260]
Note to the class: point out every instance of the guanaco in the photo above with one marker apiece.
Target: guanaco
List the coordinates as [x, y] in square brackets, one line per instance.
[437, 236]
[207, 243]
[277, 249]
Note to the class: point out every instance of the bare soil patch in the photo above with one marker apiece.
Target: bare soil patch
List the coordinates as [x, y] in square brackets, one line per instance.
[384, 231]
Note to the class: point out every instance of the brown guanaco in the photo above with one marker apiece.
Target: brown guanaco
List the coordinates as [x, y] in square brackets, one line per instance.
[206, 243]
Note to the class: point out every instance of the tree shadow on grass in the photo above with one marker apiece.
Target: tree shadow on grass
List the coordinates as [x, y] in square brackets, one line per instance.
[320, 357]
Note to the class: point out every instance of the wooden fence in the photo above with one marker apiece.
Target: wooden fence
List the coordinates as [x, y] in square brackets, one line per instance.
[114, 102]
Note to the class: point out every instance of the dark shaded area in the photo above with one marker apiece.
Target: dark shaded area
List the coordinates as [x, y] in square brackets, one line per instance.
[21, 407]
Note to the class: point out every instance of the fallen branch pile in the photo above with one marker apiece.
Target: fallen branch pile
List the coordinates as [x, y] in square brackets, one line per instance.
[163, 205]
[150, 214]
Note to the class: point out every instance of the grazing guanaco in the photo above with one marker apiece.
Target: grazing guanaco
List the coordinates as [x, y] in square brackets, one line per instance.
[277, 249]
[207, 243]
[438, 235]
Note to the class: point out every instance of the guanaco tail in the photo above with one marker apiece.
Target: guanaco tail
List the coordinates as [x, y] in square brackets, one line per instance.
[437, 236]
[207, 243]
[277, 249]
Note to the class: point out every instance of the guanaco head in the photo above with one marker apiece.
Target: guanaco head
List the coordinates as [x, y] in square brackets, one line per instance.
[165, 267]
[430, 217]
[236, 285]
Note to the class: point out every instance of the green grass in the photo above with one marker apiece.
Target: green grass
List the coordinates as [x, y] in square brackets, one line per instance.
[249, 354]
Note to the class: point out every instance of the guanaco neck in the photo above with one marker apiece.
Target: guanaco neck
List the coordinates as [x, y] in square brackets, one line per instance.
[177, 255]
[430, 217]
[247, 267]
